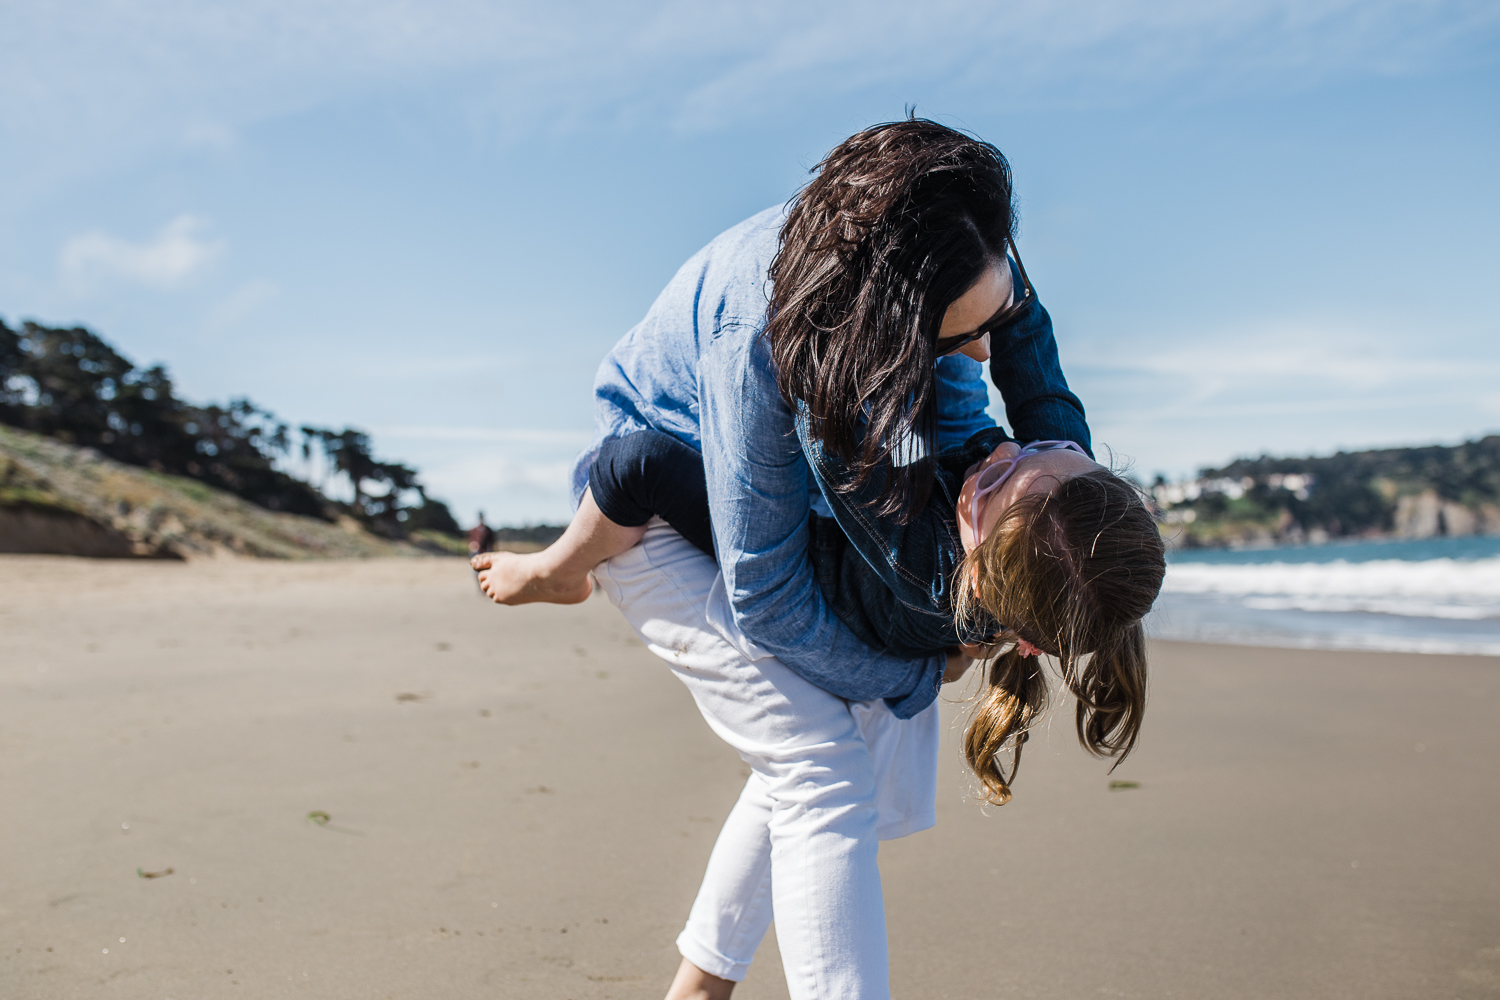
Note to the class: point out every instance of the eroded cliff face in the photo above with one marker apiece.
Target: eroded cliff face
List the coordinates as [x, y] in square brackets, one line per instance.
[60, 499]
[30, 530]
[1427, 515]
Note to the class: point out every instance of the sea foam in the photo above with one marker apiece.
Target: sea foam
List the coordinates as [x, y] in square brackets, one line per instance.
[1452, 589]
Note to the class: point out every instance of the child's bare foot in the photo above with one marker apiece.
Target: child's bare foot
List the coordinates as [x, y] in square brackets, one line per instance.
[526, 578]
[559, 574]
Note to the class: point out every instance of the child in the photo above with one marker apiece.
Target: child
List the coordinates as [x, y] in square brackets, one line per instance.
[1036, 549]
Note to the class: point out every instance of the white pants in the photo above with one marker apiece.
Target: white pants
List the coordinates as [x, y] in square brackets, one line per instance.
[829, 778]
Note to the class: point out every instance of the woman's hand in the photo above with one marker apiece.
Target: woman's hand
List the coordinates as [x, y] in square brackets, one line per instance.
[961, 658]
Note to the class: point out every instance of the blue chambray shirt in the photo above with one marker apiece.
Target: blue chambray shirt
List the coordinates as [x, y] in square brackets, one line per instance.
[697, 367]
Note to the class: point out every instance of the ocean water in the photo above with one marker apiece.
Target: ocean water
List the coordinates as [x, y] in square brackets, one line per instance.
[1439, 595]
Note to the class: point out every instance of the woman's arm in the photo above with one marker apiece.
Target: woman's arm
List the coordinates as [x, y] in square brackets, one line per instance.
[758, 495]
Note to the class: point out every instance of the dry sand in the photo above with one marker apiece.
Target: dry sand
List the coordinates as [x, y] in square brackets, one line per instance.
[521, 802]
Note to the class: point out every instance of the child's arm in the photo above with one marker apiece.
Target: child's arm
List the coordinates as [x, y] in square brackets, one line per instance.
[1025, 368]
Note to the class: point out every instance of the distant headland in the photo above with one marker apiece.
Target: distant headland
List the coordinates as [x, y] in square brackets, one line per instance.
[1421, 492]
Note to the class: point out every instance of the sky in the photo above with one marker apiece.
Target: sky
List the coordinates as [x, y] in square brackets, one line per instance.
[1259, 226]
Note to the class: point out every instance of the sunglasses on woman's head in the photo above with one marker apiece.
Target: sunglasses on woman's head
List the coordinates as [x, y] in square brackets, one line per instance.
[1007, 314]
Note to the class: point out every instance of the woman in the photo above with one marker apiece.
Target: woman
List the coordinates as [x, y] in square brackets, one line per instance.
[837, 303]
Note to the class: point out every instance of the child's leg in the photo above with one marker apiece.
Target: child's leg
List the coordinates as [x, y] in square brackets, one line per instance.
[633, 478]
[648, 474]
[559, 574]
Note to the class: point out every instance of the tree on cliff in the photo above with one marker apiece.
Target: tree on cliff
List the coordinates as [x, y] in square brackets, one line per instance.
[72, 385]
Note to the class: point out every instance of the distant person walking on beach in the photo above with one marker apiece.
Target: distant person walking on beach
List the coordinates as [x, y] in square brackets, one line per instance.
[819, 361]
[481, 541]
[481, 537]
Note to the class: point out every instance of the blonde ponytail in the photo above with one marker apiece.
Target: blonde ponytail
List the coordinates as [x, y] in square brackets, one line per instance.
[1015, 695]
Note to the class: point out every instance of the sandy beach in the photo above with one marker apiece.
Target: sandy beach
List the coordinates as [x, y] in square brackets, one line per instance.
[358, 779]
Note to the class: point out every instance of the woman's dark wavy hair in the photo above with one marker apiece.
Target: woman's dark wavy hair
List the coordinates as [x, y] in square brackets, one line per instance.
[901, 220]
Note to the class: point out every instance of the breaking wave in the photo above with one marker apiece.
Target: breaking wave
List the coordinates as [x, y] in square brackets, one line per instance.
[1452, 589]
[1437, 595]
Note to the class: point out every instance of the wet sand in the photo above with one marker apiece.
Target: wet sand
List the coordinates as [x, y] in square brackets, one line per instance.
[520, 803]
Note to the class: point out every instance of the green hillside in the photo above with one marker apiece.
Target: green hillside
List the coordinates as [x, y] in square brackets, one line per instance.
[1388, 493]
[61, 498]
[100, 456]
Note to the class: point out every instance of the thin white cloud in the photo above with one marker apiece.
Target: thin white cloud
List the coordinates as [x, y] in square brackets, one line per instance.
[510, 490]
[502, 435]
[98, 79]
[241, 304]
[210, 135]
[177, 253]
[1286, 355]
